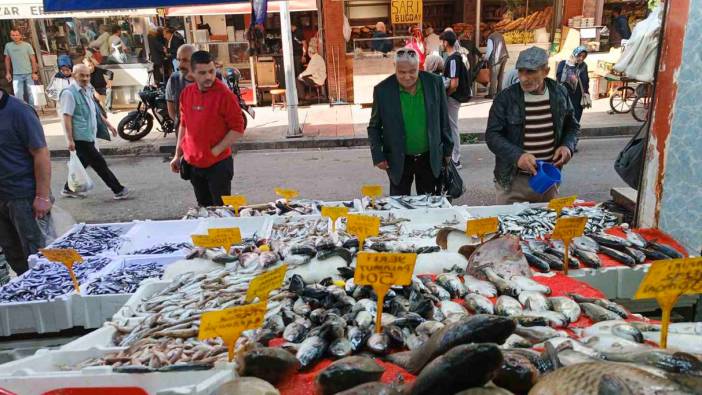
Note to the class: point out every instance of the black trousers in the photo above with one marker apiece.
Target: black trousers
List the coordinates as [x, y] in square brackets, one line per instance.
[90, 156]
[213, 182]
[418, 169]
[20, 233]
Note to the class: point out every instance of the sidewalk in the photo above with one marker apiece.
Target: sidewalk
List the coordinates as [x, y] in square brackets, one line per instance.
[327, 126]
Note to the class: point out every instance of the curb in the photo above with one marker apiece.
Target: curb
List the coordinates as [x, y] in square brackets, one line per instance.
[323, 142]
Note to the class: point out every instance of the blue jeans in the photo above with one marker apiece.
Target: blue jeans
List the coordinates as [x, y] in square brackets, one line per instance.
[20, 84]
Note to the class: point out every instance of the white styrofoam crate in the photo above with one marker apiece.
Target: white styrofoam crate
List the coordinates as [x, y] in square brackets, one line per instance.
[493, 211]
[145, 291]
[444, 204]
[51, 370]
[100, 338]
[629, 280]
[44, 316]
[146, 234]
[425, 219]
[604, 279]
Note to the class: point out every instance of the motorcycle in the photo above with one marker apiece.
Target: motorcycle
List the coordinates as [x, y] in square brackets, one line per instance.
[138, 123]
[232, 80]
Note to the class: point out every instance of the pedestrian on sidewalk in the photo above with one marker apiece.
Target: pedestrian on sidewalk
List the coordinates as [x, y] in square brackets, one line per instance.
[61, 80]
[25, 182]
[178, 81]
[530, 121]
[458, 90]
[572, 74]
[20, 65]
[496, 55]
[173, 41]
[83, 122]
[210, 122]
[409, 129]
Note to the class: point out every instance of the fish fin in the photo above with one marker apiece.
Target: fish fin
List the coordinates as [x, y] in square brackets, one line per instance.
[552, 354]
[401, 359]
[612, 385]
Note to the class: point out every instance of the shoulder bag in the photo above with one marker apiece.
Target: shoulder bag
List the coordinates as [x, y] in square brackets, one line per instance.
[451, 182]
[629, 163]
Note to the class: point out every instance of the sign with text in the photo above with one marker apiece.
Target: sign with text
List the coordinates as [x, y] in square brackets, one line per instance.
[568, 228]
[372, 191]
[381, 271]
[558, 204]
[232, 235]
[362, 226]
[482, 226]
[287, 193]
[229, 323]
[234, 201]
[264, 283]
[334, 213]
[66, 256]
[406, 11]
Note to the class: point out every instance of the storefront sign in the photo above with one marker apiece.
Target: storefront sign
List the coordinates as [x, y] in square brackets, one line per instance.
[31, 9]
[406, 11]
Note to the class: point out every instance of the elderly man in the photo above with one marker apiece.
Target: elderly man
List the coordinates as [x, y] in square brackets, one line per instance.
[409, 129]
[529, 121]
[83, 122]
[178, 81]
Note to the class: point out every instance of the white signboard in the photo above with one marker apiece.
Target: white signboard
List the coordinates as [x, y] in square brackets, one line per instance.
[18, 9]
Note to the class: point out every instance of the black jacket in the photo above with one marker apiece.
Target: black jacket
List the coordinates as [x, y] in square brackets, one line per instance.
[386, 130]
[176, 41]
[505, 130]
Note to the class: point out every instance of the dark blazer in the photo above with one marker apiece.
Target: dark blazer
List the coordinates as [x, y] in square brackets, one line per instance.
[386, 129]
[505, 129]
[176, 41]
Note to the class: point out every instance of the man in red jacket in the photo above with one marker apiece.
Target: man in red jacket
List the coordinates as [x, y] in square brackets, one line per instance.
[210, 122]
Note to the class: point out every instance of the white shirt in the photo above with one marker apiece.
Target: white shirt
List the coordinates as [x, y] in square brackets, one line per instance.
[67, 103]
[316, 69]
[433, 43]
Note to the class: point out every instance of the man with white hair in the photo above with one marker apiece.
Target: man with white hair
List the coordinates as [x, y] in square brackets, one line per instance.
[178, 81]
[409, 130]
[83, 122]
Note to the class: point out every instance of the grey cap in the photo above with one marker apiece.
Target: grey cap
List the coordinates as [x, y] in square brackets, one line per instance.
[532, 59]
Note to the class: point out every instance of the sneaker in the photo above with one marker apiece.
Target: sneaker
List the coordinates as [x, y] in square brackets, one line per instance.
[67, 193]
[122, 195]
[458, 165]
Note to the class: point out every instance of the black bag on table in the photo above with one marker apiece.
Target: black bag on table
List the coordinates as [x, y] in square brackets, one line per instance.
[629, 163]
[451, 182]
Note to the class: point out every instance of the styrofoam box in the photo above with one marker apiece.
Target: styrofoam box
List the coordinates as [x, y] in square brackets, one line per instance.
[42, 316]
[425, 219]
[261, 225]
[604, 279]
[96, 309]
[444, 204]
[100, 338]
[145, 291]
[146, 234]
[49, 370]
[493, 211]
[629, 280]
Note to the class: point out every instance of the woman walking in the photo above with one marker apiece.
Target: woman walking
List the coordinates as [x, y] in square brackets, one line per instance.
[572, 73]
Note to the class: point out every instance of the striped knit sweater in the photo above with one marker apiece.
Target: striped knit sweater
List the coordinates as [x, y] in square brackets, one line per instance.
[539, 138]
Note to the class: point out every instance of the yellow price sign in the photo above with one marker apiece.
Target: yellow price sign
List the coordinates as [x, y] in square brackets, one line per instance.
[209, 241]
[229, 323]
[381, 271]
[233, 235]
[568, 228]
[666, 281]
[372, 191]
[234, 201]
[558, 204]
[287, 193]
[334, 213]
[362, 226]
[67, 256]
[264, 283]
[482, 226]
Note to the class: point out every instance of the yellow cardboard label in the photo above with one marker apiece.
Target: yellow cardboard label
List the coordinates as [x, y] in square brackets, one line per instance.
[229, 323]
[233, 235]
[287, 193]
[559, 204]
[568, 228]
[384, 269]
[482, 226]
[264, 283]
[373, 191]
[235, 201]
[334, 212]
[67, 256]
[208, 241]
[672, 276]
[362, 226]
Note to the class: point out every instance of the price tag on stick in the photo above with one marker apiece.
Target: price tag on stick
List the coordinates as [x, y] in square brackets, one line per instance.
[218, 237]
[481, 227]
[229, 323]
[362, 226]
[235, 201]
[264, 283]
[558, 204]
[67, 256]
[334, 213]
[381, 271]
[372, 191]
[287, 193]
[666, 281]
[568, 228]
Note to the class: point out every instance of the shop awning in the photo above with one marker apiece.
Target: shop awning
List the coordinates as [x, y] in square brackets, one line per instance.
[238, 8]
[80, 5]
[34, 9]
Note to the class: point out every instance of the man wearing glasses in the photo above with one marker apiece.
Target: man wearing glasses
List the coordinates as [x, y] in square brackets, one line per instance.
[409, 129]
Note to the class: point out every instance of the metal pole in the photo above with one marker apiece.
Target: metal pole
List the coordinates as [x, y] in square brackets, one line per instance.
[294, 129]
[478, 4]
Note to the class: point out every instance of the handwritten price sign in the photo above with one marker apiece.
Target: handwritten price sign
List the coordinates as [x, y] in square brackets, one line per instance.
[362, 226]
[287, 193]
[482, 226]
[568, 228]
[264, 283]
[66, 256]
[334, 213]
[559, 204]
[229, 323]
[218, 237]
[234, 201]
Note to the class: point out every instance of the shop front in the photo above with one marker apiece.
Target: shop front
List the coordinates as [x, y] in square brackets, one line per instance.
[70, 33]
[221, 29]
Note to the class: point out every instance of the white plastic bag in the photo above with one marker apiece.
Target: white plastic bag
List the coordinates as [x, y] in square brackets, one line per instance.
[38, 95]
[78, 178]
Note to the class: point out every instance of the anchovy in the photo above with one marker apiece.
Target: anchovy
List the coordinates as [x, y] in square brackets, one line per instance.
[92, 240]
[126, 278]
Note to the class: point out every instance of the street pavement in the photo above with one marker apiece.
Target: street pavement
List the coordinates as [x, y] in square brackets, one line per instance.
[330, 174]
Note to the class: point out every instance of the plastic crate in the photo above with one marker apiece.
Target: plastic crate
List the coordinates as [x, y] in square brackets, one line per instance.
[43, 316]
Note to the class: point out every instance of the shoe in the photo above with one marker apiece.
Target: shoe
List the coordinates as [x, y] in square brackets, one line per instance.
[122, 195]
[67, 193]
[458, 165]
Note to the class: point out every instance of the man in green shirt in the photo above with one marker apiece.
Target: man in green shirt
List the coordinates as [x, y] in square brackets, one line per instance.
[409, 129]
[20, 65]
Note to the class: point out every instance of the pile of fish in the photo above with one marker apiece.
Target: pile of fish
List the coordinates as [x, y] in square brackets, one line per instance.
[280, 207]
[125, 279]
[405, 202]
[633, 250]
[163, 248]
[91, 240]
[534, 223]
[48, 280]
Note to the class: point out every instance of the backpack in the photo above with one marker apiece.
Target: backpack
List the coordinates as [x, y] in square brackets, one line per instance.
[463, 93]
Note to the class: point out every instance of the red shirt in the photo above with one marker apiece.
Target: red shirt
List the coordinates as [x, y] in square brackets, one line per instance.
[206, 118]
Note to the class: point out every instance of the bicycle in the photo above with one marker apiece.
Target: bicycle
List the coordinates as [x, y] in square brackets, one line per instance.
[642, 104]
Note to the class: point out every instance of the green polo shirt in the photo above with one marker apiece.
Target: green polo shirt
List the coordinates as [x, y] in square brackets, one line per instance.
[414, 115]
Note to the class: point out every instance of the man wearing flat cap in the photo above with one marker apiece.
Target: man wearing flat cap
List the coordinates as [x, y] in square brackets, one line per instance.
[530, 121]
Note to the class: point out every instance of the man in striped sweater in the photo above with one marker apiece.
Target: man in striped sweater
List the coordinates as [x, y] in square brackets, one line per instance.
[529, 121]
